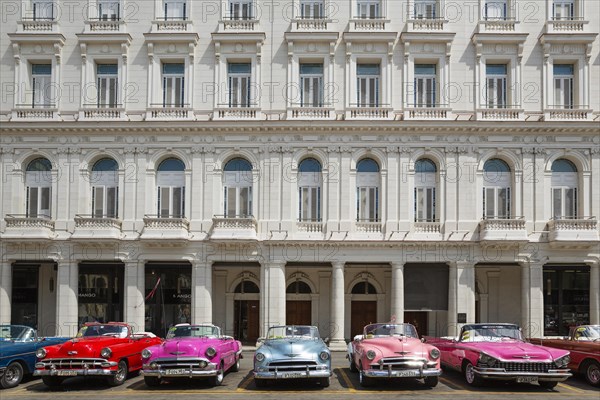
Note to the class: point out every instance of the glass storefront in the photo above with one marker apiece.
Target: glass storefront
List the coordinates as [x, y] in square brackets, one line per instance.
[566, 298]
[25, 295]
[168, 296]
[100, 292]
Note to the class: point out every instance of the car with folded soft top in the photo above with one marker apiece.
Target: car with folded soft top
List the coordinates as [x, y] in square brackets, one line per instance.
[292, 352]
[498, 352]
[109, 350]
[18, 345]
[192, 351]
[389, 350]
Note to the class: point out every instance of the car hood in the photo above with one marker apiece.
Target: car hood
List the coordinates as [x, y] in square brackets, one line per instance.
[85, 347]
[397, 346]
[184, 347]
[293, 348]
[516, 351]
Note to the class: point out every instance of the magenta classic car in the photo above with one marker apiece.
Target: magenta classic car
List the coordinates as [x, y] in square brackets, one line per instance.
[393, 351]
[192, 351]
[498, 351]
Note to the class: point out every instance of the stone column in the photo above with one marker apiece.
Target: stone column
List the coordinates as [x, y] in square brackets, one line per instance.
[337, 341]
[397, 309]
[134, 294]
[67, 286]
[525, 309]
[452, 282]
[461, 295]
[272, 295]
[594, 292]
[5, 292]
[202, 292]
[532, 299]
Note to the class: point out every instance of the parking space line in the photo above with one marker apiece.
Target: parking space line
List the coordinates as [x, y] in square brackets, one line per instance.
[347, 381]
[244, 384]
[562, 385]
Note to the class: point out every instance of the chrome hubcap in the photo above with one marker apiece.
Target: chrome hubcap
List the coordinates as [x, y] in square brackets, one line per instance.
[12, 375]
[470, 375]
[594, 373]
[121, 373]
[220, 375]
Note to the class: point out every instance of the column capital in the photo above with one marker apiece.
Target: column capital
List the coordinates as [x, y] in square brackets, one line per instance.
[593, 263]
[273, 264]
[338, 264]
[397, 265]
[461, 264]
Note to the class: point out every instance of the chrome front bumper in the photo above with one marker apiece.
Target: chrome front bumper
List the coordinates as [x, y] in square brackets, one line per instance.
[402, 373]
[66, 373]
[209, 370]
[553, 375]
[321, 373]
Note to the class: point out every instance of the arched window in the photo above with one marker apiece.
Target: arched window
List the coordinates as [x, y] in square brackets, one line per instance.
[298, 287]
[496, 189]
[246, 287]
[105, 188]
[564, 189]
[238, 189]
[367, 190]
[38, 180]
[171, 188]
[310, 180]
[364, 288]
[425, 186]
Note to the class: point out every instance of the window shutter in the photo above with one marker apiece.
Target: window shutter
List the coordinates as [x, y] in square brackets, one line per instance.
[225, 201]
[93, 200]
[484, 205]
[434, 206]
[300, 216]
[508, 215]
[158, 212]
[319, 204]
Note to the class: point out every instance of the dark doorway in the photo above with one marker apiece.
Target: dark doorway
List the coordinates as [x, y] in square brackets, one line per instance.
[246, 320]
[100, 292]
[24, 302]
[298, 312]
[418, 319]
[363, 313]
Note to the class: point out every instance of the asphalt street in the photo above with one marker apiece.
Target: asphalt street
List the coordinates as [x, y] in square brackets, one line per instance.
[344, 385]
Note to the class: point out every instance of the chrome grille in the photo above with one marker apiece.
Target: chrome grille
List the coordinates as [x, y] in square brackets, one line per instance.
[175, 363]
[400, 363]
[282, 366]
[74, 363]
[524, 366]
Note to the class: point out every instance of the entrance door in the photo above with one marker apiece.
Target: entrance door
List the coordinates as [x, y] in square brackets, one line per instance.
[246, 320]
[100, 293]
[418, 319]
[298, 312]
[363, 313]
[24, 304]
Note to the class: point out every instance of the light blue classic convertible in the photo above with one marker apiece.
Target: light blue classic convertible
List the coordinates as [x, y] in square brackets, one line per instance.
[292, 352]
[18, 345]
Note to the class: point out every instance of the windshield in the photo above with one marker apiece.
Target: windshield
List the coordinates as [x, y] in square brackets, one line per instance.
[119, 331]
[16, 333]
[193, 331]
[490, 333]
[588, 332]
[382, 330]
[293, 331]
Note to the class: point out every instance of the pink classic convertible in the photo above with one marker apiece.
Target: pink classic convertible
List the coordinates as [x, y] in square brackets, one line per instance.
[192, 351]
[497, 351]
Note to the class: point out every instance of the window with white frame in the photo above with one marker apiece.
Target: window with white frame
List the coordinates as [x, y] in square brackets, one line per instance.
[239, 77]
[107, 85]
[563, 10]
[105, 188]
[309, 190]
[367, 191]
[237, 188]
[563, 85]
[312, 9]
[495, 9]
[496, 85]
[43, 10]
[241, 9]
[173, 84]
[496, 189]
[368, 9]
[41, 85]
[425, 9]
[424, 196]
[564, 189]
[175, 9]
[311, 85]
[170, 181]
[109, 10]
[425, 90]
[38, 181]
[367, 85]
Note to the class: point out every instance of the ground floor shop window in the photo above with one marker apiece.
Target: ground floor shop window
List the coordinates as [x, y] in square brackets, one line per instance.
[100, 293]
[566, 299]
[25, 295]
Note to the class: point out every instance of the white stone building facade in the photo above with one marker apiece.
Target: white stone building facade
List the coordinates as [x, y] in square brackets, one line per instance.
[251, 163]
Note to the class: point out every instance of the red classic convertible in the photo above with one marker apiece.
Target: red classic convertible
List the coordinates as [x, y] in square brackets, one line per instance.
[110, 350]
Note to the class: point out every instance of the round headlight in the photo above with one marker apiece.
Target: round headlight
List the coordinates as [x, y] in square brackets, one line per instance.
[40, 353]
[260, 357]
[146, 353]
[105, 352]
[324, 356]
[434, 353]
[153, 365]
[203, 364]
[484, 359]
[370, 354]
[563, 362]
[210, 352]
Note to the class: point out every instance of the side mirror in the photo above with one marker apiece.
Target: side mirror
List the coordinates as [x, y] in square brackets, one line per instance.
[260, 340]
[422, 340]
[326, 339]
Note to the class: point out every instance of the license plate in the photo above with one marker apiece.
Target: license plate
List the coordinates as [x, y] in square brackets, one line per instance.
[291, 375]
[527, 379]
[176, 371]
[67, 373]
[406, 373]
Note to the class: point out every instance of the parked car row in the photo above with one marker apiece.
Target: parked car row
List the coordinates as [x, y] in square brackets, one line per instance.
[384, 351]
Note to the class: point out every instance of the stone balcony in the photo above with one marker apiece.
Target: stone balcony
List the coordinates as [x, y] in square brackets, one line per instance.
[427, 113]
[104, 26]
[102, 114]
[369, 24]
[310, 230]
[310, 24]
[573, 233]
[172, 25]
[501, 114]
[169, 113]
[165, 228]
[369, 113]
[88, 227]
[507, 25]
[29, 25]
[426, 230]
[575, 25]
[503, 230]
[234, 113]
[36, 113]
[568, 114]
[239, 25]
[28, 228]
[426, 25]
[311, 113]
[234, 228]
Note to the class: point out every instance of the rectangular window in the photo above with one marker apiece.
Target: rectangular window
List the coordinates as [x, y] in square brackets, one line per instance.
[496, 77]
[496, 9]
[109, 10]
[312, 9]
[563, 10]
[563, 85]
[238, 202]
[175, 9]
[311, 85]
[240, 78]
[564, 203]
[41, 84]
[425, 204]
[368, 9]
[43, 10]
[496, 203]
[171, 202]
[173, 85]
[107, 84]
[367, 208]
[241, 9]
[367, 85]
[310, 204]
[425, 85]
[38, 202]
[425, 9]
[105, 202]
[566, 298]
